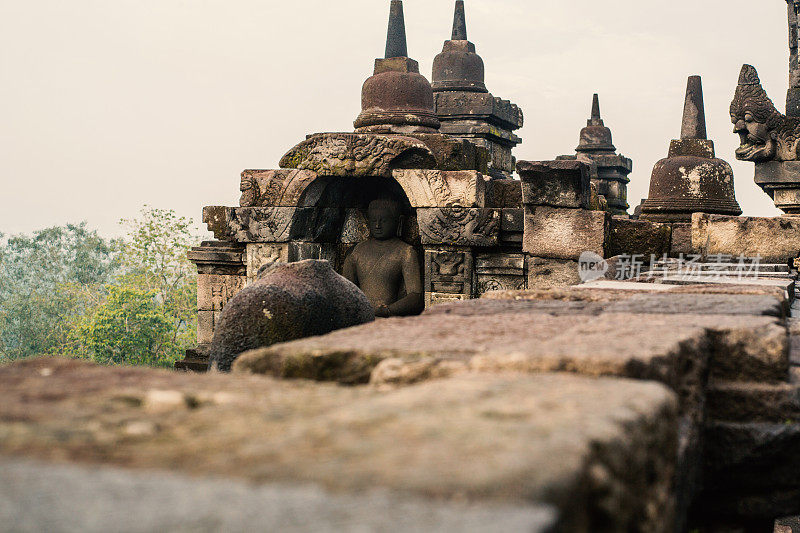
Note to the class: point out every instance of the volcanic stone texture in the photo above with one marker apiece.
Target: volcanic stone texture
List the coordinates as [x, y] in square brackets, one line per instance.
[555, 183]
[638, 237]
[599, 451]
[560, 233]
[38, 496]
[290, 301]
[775, 240]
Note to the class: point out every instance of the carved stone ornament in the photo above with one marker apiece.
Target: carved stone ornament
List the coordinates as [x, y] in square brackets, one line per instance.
[766, 134]
[250, 224]
[274, 188]
[459, 227]
[357, 155]
[436, 188]
[448, 272]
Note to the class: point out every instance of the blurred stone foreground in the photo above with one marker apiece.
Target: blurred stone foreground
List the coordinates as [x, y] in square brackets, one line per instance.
[576, 409]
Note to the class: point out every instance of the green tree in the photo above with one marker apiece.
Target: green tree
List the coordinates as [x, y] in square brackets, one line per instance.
[150, 314]
[47, 282]
[155, 259]
[130, 327]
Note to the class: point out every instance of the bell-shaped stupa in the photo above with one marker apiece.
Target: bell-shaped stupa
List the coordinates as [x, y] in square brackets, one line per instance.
[465, 107]
[691, 179]
[397, 98]
[597, 147]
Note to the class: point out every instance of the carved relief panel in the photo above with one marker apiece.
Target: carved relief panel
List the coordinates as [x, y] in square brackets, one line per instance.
[497, 272]
[260, 255]
[449, 271]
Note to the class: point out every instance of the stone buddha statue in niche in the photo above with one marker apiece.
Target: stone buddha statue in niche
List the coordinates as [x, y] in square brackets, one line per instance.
[384, 267]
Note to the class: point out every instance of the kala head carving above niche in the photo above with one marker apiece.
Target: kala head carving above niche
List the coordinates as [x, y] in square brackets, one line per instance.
[766, 134]
[358, 155]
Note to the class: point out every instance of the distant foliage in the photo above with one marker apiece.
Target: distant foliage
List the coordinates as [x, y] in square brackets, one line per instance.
[68, 291]
[47, 282]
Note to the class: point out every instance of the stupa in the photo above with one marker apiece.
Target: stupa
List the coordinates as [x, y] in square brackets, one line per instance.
[465, 107]
[691, 179]
[609, 170]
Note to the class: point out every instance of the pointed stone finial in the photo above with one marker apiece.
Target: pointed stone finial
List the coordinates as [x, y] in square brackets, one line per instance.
[396, 37]
[459, 23]
[595, 106]
[595, 120]
[694, 114]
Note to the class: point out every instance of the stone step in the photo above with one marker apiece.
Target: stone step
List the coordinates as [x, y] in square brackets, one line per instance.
[600, 453]
[671, 348]
[786, 284]
[753, 402]
[723, 267]
[752, 457]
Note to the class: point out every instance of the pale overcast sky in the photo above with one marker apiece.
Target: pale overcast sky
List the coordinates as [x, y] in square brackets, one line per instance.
[106, 105]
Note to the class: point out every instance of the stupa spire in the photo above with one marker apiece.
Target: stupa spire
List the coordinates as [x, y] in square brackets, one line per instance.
[459, 23]
[694, 114]
[396, 45]
[595, 119]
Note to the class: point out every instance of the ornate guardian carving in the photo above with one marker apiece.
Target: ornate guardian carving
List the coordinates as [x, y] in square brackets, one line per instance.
[766, 134]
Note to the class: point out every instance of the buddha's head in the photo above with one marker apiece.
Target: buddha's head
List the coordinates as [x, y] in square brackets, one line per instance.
[383, 216]
[755, 118]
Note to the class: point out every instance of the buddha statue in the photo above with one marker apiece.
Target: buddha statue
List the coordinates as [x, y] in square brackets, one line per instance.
[384, 267]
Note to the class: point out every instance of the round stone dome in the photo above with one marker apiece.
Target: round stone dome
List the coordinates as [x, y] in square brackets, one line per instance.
[458, 68]
[595, 137]
[686, 184]
[397, 98]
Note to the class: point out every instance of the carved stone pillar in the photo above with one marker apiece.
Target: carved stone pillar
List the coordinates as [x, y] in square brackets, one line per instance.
[221, 273]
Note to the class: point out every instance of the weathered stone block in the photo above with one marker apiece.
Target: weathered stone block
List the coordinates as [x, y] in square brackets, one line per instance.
[681, 240]
[214, 291]
[449, 271]
[513, 220]
[261, 255]
[638, 237]
[600, 452]
[730, 401]
[500, 272]
[437, 188]
[274, 188]
[775, 240]
[666, 348]
[675, 303]
[206, 323]
[552, 273]
[565, 233]
[555, 183]
[753, 456]
[250, 224]
[166, 501]
[459, 227]
[219, 258]
[504, 193]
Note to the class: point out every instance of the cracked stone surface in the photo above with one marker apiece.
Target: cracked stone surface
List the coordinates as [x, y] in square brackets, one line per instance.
[600, 451]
